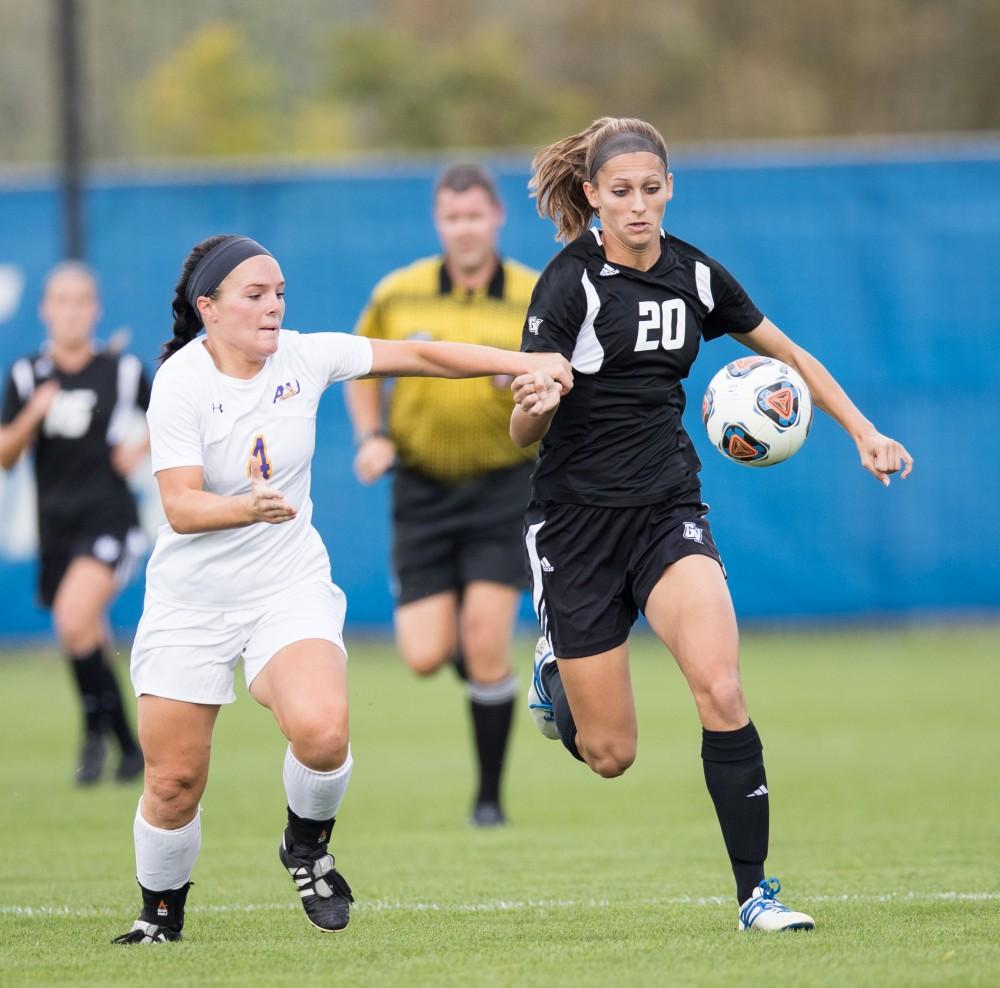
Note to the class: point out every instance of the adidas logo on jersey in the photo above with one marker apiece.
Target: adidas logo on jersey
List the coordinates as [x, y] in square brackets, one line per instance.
[607, 271]
[759, 791]
[547, 567]
[534, 324]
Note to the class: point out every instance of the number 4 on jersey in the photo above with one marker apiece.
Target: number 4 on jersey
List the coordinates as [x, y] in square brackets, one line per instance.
[258, 455]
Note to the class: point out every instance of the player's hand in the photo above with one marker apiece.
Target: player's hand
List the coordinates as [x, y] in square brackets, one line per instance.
[882, 456]
[40, 402]
[267, 504]
[125, 459]
[553, 365]
[536, 394]
[375, 456]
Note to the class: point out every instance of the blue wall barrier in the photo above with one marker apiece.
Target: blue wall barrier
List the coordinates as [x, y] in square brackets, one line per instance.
[884, 268]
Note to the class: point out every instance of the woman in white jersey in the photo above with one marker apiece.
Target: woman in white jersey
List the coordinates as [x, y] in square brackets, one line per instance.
[239, 571]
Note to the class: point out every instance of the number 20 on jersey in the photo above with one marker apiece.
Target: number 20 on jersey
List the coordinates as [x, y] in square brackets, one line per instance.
[661, 325]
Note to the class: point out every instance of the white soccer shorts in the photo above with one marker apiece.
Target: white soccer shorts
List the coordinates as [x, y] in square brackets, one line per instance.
[191, 655]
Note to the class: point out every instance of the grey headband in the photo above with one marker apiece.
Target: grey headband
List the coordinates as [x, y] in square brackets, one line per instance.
[212, 269]
[624, 144]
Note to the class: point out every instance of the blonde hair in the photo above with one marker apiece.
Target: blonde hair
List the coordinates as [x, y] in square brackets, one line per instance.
[559, 171]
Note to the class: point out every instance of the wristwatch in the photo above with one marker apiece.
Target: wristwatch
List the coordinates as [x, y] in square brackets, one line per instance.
[361, 439]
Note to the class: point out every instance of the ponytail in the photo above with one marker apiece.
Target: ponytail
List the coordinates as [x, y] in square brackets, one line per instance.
[187, 320]
[559, 171]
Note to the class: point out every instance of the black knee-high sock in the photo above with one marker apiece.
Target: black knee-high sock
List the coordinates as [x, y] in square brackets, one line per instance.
[560, 709]
[492, 708]
[110, 709]
[88, 674]
[734, 774]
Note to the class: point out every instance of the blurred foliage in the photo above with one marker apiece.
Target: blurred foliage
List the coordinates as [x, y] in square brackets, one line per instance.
[321, 77]
[211, 96]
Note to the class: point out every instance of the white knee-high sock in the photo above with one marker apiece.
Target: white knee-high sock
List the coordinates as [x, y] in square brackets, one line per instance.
[315, 795]
[164, 859]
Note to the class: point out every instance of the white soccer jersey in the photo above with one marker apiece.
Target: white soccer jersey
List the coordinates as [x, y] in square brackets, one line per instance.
[200, 417]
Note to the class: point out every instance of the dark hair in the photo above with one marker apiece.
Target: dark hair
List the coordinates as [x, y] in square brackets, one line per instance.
[187, 320]
[463, 176]
[559, 171]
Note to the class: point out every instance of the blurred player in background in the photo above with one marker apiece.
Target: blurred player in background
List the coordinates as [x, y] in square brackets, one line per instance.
[72, 403]
[617, 524]
[239, 571]
[460, 485]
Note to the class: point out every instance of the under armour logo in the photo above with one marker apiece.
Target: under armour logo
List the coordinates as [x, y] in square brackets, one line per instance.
[217, 408]
[607, 271]
[693, 532]
[534, 324]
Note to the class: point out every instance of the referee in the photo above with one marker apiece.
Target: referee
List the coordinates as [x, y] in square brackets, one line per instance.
[460, 485]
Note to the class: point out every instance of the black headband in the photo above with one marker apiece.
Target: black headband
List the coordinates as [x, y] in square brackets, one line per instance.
[212, 269]
[626, 143]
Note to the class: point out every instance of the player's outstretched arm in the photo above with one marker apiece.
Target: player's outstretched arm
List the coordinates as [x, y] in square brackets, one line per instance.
[424, 358]
[190, 509]
[880, 455]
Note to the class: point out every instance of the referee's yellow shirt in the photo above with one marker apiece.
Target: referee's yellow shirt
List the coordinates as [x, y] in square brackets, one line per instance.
[451, 430]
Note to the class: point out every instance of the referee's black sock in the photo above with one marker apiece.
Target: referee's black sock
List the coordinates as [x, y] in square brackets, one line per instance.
[734, 774]
[88, 675]
[565, 724]
[112, 709]
[492, 708]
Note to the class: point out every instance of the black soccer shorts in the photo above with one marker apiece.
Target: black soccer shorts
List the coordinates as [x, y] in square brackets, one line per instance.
[593, 568]
[446, 536]
[119, 547]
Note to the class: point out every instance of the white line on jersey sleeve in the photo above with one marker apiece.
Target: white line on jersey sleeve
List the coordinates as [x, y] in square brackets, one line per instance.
[129, 372]
[703, 279]
[24, 379]
[588, 354]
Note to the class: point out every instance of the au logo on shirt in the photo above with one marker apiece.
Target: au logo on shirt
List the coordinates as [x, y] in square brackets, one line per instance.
[285, 391]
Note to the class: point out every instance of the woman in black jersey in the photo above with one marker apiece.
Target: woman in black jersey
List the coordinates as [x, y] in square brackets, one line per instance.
[71, 403]
[617, 524]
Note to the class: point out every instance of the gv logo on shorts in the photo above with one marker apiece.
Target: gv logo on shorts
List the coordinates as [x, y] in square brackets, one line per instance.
[693, 532]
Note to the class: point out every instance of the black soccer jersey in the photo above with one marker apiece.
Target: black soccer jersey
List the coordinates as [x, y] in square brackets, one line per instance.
[76, 482]
[631, 336]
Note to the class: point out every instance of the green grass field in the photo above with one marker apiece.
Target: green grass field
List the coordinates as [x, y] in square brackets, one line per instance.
[882, 754]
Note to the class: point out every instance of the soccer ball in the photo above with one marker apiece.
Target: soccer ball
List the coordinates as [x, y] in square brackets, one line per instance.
[757, 411]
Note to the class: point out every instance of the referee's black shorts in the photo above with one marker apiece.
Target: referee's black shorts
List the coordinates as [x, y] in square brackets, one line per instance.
[446, 536]
[593, 568]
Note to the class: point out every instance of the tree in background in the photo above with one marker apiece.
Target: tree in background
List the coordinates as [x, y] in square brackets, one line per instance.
[211, 96]
[321, 77]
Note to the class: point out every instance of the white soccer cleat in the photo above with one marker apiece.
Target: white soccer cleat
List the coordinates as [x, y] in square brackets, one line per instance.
[539, 701]
[763, 911]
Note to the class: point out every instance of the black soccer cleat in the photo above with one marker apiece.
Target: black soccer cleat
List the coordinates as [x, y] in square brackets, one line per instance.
[326, 896]
[487, 814]
[143, 932]
[130, 767]
[91, 761]
[161, 919]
